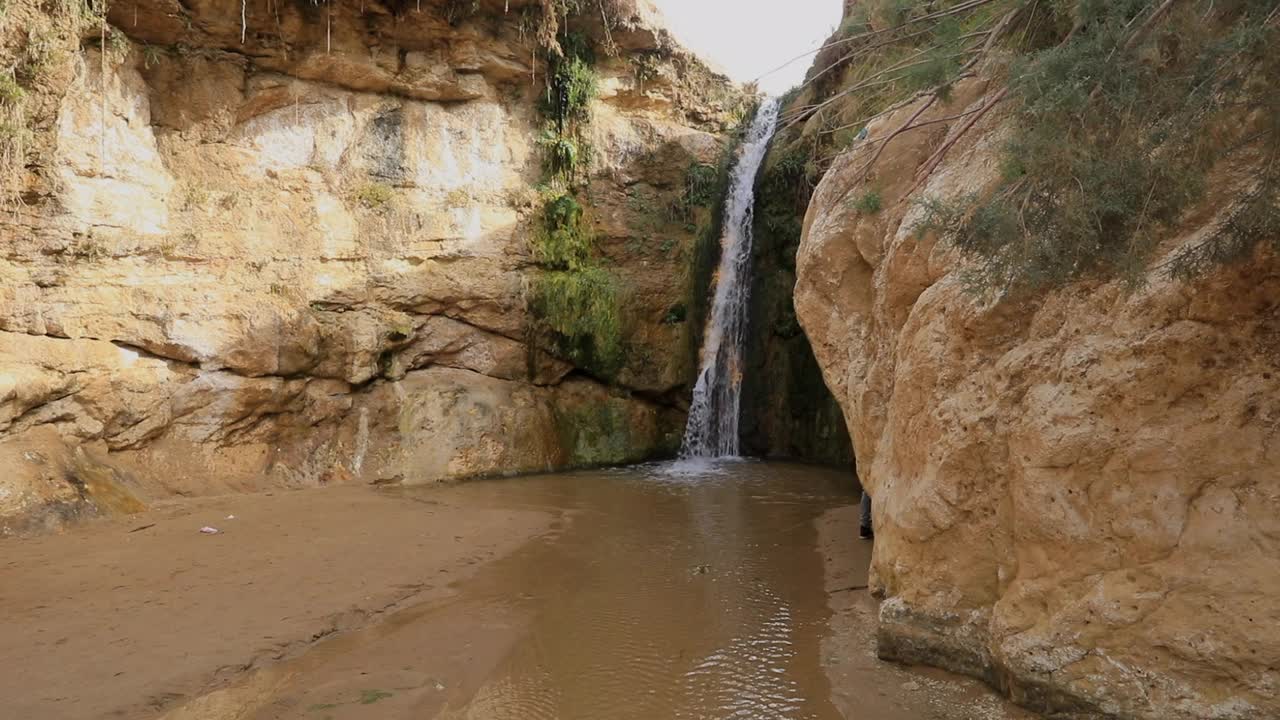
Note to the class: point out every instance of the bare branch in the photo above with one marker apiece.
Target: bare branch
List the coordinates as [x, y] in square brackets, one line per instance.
[1146, 26]
[866, 170]
[972, 4]
[938, 155]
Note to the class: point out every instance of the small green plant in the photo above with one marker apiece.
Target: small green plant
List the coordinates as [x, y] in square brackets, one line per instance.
[113, 43]
[572, 85]
[562, 243]
[152, 55]
[645, 68]
[575, 297]
[89, 249]
[369, 697]
[571, 88]
[374, 195]
[117, 45]
[794, 174]
[11, 93]
[560, 154]
[457, 198]
[43, 51]
[869, 202]
[194, 195]
[701, 184]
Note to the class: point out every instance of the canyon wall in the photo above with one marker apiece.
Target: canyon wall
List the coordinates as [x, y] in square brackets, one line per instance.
[288, 243]
[1076, 494]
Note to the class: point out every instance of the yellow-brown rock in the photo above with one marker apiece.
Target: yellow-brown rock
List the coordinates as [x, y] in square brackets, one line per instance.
[295, 250]
[1077, 497]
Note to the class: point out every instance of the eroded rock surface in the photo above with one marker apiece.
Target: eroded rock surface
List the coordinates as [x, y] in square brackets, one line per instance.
[294, 250]
[1076, 498]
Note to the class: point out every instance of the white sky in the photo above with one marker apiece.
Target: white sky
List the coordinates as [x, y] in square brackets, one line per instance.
[748, 38]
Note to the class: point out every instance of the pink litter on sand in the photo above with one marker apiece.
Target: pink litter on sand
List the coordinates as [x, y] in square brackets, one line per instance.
[209, 530]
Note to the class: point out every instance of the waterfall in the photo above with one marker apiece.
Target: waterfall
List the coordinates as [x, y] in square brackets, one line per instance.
[713, 417]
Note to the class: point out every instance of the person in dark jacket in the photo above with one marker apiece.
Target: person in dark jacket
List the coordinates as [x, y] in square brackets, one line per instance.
[865, 531]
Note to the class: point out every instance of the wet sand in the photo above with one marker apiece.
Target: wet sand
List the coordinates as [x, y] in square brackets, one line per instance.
[865, 687]
[665, 596]
[102, 622]
[622, 594]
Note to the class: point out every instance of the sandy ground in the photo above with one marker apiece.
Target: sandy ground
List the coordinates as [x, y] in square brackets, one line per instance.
[349, 603]
[865, 687]
[126, 619]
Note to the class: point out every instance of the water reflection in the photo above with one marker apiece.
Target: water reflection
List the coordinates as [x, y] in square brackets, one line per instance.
[678, 592]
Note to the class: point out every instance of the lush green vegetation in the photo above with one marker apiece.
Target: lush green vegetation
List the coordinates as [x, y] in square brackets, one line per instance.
[1120, 112]
[1114, 139]
[782, 195]
[701, 184]
[787, 409]
[575, 298]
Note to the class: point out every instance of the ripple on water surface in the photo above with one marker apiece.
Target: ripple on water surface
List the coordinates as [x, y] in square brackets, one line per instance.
[686, 590]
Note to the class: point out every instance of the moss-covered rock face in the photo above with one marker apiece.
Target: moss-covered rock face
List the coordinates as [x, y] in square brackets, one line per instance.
[787, 410]
[611, 431]
[300, 244]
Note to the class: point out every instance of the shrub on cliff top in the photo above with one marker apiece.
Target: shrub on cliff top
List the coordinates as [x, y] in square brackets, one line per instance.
[1113, 138]
[1121, 110]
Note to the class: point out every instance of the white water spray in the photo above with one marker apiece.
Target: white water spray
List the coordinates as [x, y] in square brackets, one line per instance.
[713, 417]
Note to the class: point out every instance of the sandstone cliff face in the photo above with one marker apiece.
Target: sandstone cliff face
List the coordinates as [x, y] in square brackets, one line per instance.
[293, 249]
[1076, 498]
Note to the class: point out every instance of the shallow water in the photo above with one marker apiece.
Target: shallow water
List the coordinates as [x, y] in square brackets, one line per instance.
[679, 591]
[667, 591]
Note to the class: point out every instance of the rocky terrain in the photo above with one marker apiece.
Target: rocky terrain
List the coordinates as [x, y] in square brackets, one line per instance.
[1076, 490]
[286, 243]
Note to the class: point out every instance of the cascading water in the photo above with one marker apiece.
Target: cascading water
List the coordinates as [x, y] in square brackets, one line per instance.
[713, 417]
